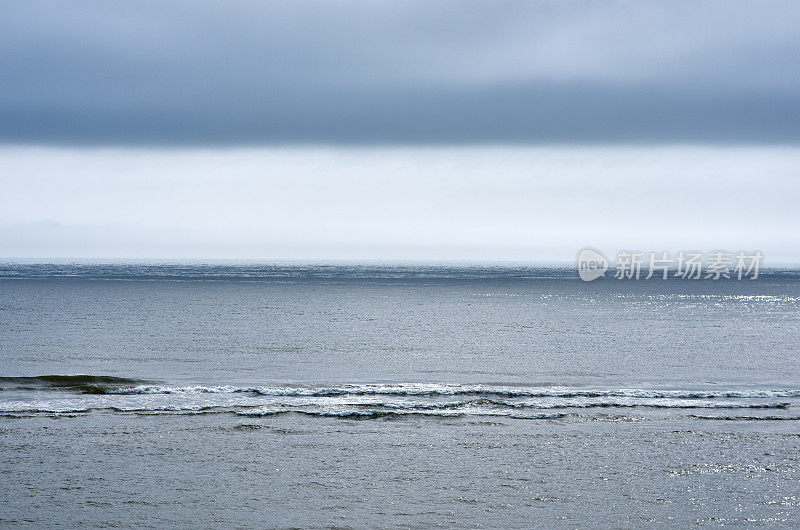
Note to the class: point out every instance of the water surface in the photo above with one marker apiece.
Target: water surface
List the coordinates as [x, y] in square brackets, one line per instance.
[385, 396]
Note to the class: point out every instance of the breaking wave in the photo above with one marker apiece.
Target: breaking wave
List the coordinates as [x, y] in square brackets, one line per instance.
[86, 394]
[87, 384]
[745, 418]
[421, 389]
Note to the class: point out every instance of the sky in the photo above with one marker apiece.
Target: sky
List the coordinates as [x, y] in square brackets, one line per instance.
[474, 130]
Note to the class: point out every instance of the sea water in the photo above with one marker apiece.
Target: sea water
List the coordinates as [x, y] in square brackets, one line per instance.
[310, 395]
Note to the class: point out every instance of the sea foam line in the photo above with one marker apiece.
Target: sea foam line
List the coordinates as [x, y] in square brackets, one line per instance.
[468, 407]
[413, 389]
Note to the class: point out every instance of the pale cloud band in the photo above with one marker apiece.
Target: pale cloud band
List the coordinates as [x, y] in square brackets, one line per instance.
[472, 203]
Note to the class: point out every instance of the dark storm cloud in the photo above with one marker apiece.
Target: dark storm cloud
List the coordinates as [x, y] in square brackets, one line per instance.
[233, 72]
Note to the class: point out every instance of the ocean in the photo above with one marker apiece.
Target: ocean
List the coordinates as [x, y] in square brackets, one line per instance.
[395, 396]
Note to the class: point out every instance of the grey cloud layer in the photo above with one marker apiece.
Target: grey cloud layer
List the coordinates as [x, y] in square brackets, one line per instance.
[239, 72]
